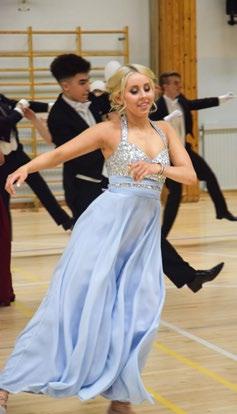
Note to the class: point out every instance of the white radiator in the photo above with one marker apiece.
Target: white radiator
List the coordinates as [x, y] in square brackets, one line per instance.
[219, 149]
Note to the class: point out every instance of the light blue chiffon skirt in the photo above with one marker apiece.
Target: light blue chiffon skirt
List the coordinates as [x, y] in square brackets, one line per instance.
[94, 328]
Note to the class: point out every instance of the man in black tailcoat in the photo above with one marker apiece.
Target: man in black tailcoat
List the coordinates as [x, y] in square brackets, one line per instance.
[75, 110]
[13, 156]
[172, 99]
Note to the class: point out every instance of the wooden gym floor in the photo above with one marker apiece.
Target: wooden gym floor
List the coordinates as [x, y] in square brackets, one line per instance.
[192, 368]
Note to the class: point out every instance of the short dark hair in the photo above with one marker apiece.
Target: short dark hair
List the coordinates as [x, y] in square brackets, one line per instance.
[68, 65]
[164, 77]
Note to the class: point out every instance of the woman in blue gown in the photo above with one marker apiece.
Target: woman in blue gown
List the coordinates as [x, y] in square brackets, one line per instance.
[94, 328]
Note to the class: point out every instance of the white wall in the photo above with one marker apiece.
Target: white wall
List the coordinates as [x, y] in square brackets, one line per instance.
[217, 61]
[216, 40]
[89, 14]
[217, 74]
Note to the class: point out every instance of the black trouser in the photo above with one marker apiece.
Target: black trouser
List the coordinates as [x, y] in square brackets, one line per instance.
[175, 268]
[172, 205]
[79, 193]
[204, 173]
[13, 161]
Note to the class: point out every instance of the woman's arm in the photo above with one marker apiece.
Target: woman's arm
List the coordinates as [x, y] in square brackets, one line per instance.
[181, 169]
[90, 140]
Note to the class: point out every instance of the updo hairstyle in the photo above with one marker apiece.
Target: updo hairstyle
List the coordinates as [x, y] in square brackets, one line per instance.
[117, 82]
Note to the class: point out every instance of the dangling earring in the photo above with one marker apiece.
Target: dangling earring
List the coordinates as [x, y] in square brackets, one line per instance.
[153, 108]
[122, 109]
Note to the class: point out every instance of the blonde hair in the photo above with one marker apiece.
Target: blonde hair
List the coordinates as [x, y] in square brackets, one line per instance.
[117, 82]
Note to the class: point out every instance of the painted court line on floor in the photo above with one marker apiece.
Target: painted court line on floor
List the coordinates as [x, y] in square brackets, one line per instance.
[166, 403]
[199, 340]
[194, 365]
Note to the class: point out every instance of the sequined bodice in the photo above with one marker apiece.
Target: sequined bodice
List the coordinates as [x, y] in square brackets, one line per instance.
[127, 153]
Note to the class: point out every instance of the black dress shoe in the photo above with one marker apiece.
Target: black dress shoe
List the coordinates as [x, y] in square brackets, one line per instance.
[203, 276]
[227, 215]
[68, 225]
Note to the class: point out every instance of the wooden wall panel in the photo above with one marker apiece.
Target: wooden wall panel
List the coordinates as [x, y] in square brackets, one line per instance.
[174, 42]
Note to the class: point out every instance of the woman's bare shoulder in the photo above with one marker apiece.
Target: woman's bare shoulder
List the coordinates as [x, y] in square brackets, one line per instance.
[165, 128]
[164, 125]
[105, 127]
[109, 132]
[111, 126]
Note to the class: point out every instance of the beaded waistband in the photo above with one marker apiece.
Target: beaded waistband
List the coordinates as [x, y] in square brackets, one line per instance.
[128, 182]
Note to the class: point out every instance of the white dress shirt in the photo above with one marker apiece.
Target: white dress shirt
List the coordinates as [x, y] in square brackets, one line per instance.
[178, 122]
[82, 108]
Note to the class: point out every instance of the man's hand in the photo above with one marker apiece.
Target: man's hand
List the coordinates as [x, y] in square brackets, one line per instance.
[21, 105]
[175, 114]
[227, 97]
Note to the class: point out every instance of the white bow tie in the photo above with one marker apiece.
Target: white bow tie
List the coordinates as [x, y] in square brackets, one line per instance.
[82, 106]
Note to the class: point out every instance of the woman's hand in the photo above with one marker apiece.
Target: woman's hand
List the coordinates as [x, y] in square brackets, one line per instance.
[18, 177]
[140, 169]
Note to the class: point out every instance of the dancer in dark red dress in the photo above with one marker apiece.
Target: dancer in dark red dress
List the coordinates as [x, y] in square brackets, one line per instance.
[6, 289]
